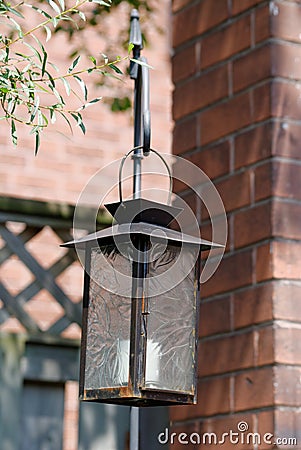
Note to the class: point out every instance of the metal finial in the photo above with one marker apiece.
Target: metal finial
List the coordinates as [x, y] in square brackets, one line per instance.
[135, 33]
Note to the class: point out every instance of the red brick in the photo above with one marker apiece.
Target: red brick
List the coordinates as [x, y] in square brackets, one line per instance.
[265, 424]
[261, 102]
[254, 389]
[191, 200]
[234, 271]
[225, 118]
[286, 219]
[184, 63]
[285, 22]
[287, 379]
[262, 24]
[214, 396]
[188, 173]
[246, 73]
[285, 100]
[214, 161]
[264, 346]
[264, 262]
[288, 426]
[286, 139]
[286, 60]
[196, 19]
[278, 259]
[235, 190]
[252, 225]
[287, 260]
[263, 181]
[215, 316]
[184, 412]
[253, 145]
[226, 354]
[200, 92]
[287, 301]
[288, 345]
[253, 305]
[281, 139]
[226, 42]
[287, 180]
[185, 136]
[239, 6]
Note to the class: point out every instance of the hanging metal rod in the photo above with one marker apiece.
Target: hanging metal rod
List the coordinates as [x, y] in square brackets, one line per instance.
[142, 126]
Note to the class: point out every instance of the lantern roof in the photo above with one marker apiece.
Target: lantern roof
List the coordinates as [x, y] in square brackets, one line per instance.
[142, 217]
[142, 210]
[156, 232]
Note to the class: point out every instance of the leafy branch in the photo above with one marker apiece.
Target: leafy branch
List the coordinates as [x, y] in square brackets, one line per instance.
[32, 89]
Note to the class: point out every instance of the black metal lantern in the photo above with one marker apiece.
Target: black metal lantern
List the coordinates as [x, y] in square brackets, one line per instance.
[140, 308]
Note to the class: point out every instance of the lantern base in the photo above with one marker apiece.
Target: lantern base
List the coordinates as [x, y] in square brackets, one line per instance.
[147, 397]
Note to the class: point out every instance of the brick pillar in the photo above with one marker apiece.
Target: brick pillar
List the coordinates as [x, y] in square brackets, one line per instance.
[237, 113]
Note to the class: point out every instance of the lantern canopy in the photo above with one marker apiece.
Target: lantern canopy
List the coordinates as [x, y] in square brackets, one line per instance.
[140, 308]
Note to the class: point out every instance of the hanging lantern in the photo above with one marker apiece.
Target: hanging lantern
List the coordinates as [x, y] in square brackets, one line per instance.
[140, 308]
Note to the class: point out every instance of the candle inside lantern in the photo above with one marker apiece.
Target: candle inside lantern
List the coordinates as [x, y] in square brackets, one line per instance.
[151, 365]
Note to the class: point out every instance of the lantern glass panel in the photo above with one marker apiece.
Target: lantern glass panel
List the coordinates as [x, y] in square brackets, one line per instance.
[171, 320]
[109, 316]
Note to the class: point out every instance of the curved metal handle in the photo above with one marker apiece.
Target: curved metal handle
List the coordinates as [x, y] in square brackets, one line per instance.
[162, 159]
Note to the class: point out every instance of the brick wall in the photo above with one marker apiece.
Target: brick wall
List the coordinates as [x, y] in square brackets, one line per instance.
[65, 162]
[237, 111]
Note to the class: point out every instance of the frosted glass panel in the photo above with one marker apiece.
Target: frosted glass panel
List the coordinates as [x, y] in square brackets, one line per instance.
[108, 328]
[171, 322]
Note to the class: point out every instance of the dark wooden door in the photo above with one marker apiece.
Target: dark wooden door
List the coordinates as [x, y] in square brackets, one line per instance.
[42, 416]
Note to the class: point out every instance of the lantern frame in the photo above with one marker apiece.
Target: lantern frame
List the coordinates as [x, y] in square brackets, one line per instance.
[144, 226]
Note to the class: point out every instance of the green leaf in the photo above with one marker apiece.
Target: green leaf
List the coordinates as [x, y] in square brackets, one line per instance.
[74, 64]
[79, 121]
[35, 51]
[54, 6]
[62, 4]
[115, 68]
[37, 142]
[39, 10]
[35, 109]
[82, 86]
[82, 15]
[105, 58]
[130, 47]
[66, 85]
[93, 60]
[17, 26]
[54, 21]
[91, 102]
[14, 133]
[48, 33]
[102, 2]
[52, 116]
[14, 11]
[67, 120]
[141, 63]
[44, 62]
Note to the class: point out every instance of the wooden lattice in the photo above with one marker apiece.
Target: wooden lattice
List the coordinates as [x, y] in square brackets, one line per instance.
[27, 246]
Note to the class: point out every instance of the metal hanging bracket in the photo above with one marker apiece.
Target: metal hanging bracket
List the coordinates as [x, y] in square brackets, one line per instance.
[140, 73]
